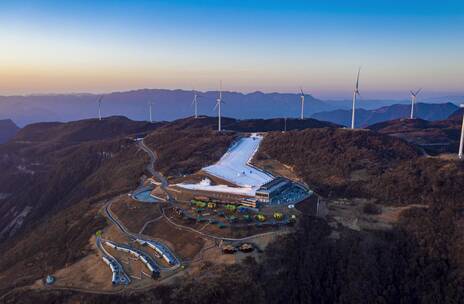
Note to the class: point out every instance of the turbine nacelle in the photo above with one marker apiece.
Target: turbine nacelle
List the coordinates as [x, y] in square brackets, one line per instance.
[414, 94]
[413, 100]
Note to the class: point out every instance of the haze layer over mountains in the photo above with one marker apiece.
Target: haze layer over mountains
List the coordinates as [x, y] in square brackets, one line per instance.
[174, 104]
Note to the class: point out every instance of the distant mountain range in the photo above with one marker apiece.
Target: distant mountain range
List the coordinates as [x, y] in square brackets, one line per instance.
[168, 105]
[365, 117]
[8, 129]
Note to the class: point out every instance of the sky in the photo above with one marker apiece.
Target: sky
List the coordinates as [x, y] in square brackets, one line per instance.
[103, 46]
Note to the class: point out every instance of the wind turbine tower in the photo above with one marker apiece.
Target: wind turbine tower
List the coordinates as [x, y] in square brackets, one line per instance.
[218, 106]
[355, 94]
[302, 97]
[195, 103]
[413, 101]
[99, 107]
[150, 106]
[461, 142]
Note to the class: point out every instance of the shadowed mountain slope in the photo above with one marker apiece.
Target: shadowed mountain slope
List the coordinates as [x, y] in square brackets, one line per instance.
[8, 130]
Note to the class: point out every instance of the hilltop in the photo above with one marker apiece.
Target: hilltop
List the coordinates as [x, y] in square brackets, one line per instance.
[434, 137]
[84, 130]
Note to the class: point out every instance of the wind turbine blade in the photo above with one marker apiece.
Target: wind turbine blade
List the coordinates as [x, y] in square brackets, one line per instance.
[357, 79]
[418, 91]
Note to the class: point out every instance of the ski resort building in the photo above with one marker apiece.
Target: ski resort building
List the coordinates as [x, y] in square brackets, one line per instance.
[270, 189]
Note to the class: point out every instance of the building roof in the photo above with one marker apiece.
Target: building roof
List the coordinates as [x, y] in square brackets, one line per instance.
[273, 183]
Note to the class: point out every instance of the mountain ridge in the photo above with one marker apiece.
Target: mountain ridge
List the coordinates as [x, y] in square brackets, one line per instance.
[364, 118]
[167, 105]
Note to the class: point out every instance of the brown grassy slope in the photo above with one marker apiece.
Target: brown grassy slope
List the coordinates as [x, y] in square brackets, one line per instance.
[421, 180]
[49, 166]
[62, 176]
[336, 161]
[185, 151]
[58, 232]
[59, 183]
[433, 136]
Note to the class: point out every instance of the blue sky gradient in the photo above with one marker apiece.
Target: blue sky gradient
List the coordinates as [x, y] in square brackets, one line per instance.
[95, 46]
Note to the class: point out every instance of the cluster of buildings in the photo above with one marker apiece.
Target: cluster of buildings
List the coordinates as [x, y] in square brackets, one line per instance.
[142, 256]
[162, 250]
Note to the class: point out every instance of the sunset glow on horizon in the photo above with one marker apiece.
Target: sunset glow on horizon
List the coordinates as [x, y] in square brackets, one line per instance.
[61, 46]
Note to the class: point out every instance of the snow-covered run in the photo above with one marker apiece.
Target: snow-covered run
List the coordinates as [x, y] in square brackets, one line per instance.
[234, 167]
[247, 191]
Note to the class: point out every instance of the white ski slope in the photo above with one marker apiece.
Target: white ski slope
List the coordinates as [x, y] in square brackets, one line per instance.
[234, 164]
[234, 167]
[247, 191]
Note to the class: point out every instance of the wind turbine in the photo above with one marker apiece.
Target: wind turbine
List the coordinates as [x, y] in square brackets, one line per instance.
[355, 94]
[150, 104]
[302, 97]
[218, 106]
[195, 103]
[413, 101]
[461, 142]
[99, 107]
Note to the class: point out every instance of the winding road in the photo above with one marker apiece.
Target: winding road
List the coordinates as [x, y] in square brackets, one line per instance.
[151, 169]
